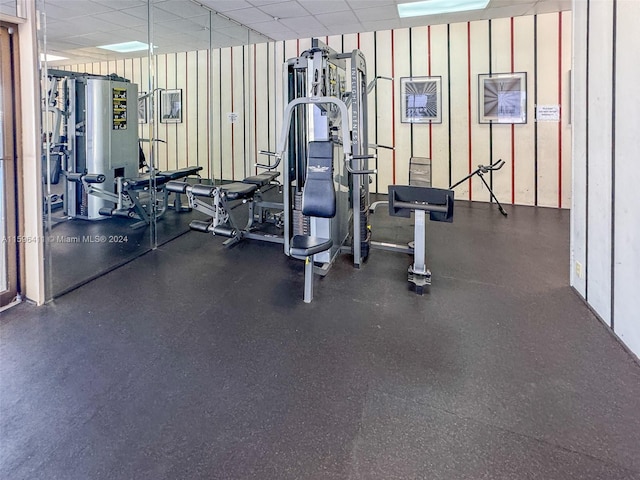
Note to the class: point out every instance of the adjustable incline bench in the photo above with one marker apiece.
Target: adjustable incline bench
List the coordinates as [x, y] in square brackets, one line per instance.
[217, 205]
[128, 199]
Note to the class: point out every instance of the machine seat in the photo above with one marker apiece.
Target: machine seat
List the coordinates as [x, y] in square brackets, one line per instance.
[262, 179]
[305, 246]
[180, 173]
[238, 190]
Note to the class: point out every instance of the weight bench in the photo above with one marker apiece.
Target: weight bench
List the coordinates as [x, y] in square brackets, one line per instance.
[129, 197]
[318, 200]
[216, 205]
[404, 199]
[218, 209]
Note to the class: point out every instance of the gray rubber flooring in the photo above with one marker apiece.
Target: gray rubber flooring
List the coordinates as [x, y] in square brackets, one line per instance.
[200, 362]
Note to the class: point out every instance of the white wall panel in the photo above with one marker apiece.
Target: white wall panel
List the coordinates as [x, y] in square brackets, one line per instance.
[548, 154]
[627, 194]
[403, 130]
[599, 180]
[459, 98]
[524, 148]
[440, 132]
[500, 134]
[480, 135]
[384, 110]
[579, 145]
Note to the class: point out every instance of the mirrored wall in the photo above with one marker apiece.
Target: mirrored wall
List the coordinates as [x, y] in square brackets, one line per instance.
[128, 93]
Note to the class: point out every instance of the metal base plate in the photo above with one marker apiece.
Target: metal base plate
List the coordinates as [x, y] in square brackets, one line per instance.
[420, 280]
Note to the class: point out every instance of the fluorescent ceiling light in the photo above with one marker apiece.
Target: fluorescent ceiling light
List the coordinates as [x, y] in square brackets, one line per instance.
[435, 7]
[51, 58]
[126, 47]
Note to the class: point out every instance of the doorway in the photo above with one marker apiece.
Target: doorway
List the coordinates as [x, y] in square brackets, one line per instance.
[9, 239]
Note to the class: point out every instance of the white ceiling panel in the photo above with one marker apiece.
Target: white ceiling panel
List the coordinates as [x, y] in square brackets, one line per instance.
[347, 18]
[121, 19]
[84, 7]
[247, 16]
[119, 4]
[260, 3]
[181, 24]
[285, 10]
[385, 12]
[325, 6]
[308, 25]
[224, 6]
[182, 8]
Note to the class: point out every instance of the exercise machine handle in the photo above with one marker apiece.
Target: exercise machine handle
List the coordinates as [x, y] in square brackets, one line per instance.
[85, 177]
[270, 154]
[353, 171]
[491, 167]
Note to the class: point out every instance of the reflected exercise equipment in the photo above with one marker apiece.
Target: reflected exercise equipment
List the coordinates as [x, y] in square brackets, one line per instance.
[95, 149]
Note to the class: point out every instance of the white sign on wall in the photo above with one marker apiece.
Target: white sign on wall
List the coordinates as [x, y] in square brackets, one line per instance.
[548, 113]
[233, 117]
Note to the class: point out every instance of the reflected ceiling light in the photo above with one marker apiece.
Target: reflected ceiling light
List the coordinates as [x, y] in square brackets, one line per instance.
[51, 58]
[126, 47]
[435, 7]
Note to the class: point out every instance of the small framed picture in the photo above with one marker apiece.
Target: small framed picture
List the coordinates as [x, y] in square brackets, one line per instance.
[143, 112]
[502, 98]
[421, 99]
[171, 106]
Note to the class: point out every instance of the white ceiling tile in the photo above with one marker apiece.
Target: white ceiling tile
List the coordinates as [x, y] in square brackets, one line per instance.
[158, 14]
[356, 4]
[338, 18]
[271, 28]
[85, 7]
[223, 6]
[385, 12]
[248, 16]
[300, 24]
[285, 10]
[121, 19]
[380, 25]
[260, 3]
[182, 8]
[315, 7]
[120, 4]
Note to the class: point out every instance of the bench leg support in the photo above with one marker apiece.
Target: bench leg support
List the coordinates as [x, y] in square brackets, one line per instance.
[308, 279]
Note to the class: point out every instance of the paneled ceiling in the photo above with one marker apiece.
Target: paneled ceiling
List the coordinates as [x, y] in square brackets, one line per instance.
[76, 27]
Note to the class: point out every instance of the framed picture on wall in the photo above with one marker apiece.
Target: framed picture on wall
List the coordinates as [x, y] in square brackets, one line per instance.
[502, 98]
[421, 99]
[171, 106]
[143, 115]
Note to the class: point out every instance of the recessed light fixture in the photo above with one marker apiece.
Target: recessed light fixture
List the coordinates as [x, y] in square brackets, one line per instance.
[126, 47]
[435, 7]
[51, 58]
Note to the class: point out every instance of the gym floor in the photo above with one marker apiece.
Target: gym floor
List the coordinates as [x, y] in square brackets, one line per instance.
[200, 362]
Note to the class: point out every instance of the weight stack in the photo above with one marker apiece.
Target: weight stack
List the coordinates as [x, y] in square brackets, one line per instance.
[365, 233]
[300, 222]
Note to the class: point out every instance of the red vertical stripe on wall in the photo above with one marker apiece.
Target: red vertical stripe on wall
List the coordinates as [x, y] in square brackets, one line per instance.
[429, 74]
[297, 47]
[513, 129]
[358, 41]
[393, 108]
[469, 98]
[560, 104]
[233, 157]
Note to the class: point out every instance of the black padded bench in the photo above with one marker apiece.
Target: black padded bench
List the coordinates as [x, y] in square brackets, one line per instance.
[262, 179]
